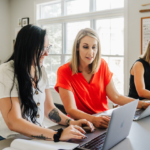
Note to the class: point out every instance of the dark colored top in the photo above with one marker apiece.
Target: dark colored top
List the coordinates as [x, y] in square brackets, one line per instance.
[132, 90]
[1, 138]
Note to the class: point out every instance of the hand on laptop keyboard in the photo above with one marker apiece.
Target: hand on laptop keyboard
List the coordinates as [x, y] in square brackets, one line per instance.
[82, 123]
[146, 104]
[87, 129]
[101, 121]
[72, 132]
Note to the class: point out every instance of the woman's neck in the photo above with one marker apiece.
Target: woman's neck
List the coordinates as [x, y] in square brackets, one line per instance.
[84, 68]
[32, 72]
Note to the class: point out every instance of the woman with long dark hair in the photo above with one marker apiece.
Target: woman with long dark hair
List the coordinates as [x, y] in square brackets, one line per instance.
[25, 95]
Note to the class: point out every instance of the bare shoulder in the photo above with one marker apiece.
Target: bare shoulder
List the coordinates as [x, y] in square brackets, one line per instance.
[138, 68]
[138, 65]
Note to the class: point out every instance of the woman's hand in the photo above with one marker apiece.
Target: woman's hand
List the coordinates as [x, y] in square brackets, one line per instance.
[145, 105]
[83, 122]
[72, 132]
[101, 121]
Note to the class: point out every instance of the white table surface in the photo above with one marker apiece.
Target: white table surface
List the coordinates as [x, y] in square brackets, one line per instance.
[138, 139]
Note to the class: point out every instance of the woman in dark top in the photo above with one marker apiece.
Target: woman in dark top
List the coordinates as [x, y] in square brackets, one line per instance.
[140, 77]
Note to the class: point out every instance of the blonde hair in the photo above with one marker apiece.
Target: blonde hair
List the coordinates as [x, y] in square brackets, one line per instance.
[74, 63]
[146, 55]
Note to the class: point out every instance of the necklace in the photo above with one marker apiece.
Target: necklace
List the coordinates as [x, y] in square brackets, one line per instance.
[34, 82]
[35, 85]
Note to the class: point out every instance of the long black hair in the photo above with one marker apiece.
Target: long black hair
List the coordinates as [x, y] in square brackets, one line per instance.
[27, 52]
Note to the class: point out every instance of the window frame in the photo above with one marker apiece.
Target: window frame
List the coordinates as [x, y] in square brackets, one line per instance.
[93, 15]
[46, 4]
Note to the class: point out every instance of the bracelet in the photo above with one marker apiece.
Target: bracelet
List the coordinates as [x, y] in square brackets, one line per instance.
[143, 104]
[68, 122]
[57, 135]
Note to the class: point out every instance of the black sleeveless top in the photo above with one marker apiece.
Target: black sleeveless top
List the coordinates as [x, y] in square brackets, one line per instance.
[132, 90]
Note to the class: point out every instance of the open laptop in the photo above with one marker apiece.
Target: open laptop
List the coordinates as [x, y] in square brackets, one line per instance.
[118, 129]
[141, 113]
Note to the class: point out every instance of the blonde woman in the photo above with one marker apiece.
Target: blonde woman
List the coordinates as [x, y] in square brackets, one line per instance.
[85, 82]
[140, 77]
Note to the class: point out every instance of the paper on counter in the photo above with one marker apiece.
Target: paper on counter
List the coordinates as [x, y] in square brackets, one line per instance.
[9, 148]
[21, 144]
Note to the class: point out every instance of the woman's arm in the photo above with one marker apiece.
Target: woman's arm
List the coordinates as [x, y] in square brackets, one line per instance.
[57, 116]
[138, 72]
[15, 122]
[68, 100]
[119, 99]
[52, 112]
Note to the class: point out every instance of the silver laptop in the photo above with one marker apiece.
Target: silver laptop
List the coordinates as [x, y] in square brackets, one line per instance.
[118, 129]
[141, 113]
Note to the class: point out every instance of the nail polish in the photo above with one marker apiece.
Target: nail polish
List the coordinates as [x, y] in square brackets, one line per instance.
[85, 137]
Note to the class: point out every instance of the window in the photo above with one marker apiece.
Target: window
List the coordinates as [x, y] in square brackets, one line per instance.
[54, 32]
[72, 30]
[63, 19]
[111, 33]
[77, 6]
[109, 4]
[50, 10]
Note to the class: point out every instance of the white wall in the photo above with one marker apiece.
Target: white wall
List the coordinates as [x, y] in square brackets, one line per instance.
[20, 9]
[25, 8]
[4, 30]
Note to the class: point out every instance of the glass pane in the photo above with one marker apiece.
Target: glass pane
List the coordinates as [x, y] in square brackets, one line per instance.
[117, 3]
[102, 4]
[109, 4]
[115, 64]
[51, 64]
[50, 10]
[77, 6]
[117, 36]
[67, 58]
[111, 33]
[72, 30]
[103, 29]
[54, 32]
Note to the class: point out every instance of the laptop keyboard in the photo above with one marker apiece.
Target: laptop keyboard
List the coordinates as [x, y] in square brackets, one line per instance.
[138, 113]
[96, 143]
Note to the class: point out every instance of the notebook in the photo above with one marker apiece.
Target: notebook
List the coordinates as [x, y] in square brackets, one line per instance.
[21, 144]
